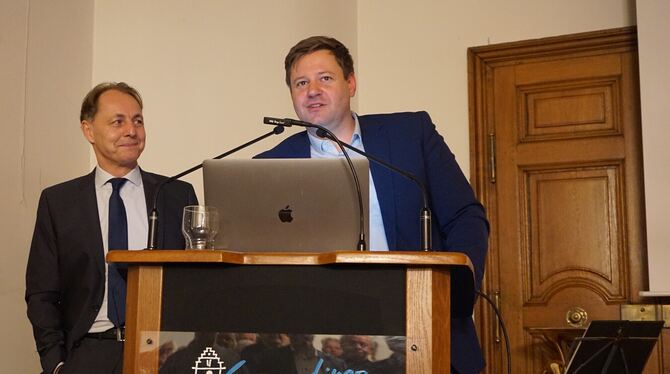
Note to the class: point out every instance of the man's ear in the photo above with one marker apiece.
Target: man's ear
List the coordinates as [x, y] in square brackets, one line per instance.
[351, 82]
[87, 130]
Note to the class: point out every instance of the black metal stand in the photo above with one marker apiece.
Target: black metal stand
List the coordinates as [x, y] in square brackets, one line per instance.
[614, 347]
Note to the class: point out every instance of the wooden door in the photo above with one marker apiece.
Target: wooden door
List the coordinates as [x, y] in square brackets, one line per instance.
[556, 159]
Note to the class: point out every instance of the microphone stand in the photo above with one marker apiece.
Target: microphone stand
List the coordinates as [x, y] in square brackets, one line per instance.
[291, 122]
[153, 217]
[425, 217]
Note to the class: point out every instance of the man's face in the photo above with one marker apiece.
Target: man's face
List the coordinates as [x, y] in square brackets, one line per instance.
[357, 347]
[320, 91]
[333, 348]
[116, 132]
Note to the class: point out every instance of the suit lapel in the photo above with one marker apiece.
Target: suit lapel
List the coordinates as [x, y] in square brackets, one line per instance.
[300, 148]
[150, 184]
[376, 143]
[90, 221]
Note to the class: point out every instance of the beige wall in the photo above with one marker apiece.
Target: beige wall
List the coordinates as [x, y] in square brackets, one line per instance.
[412, 55]
[45, 68]
[209, 70]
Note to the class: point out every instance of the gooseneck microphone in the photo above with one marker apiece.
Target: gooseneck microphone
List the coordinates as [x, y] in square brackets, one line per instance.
[425, 217]
[153, 217]
[287, 122]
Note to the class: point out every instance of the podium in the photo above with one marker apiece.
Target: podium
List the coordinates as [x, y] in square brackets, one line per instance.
[406, 294]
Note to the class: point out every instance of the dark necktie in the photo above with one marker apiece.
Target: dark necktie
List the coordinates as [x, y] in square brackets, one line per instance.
[117, 239]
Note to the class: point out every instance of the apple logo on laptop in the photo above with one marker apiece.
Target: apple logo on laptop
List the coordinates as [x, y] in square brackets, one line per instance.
[286, 214]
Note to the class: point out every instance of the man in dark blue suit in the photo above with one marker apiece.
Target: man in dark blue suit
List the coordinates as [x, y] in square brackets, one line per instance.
[321, 79]
[78, 326]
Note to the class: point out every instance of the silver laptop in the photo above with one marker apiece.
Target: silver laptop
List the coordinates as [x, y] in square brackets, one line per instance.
[288, 205]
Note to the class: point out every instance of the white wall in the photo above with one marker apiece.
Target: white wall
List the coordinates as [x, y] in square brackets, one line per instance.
[209, 70]
[45, 69]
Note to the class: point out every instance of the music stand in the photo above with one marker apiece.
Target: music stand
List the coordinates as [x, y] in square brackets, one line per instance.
[614, 347]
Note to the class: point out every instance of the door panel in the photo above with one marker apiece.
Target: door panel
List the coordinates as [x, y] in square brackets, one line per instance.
[557, 162]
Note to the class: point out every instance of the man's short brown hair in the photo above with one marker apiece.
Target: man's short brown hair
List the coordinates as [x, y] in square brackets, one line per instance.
[317, 43]
[89, 107]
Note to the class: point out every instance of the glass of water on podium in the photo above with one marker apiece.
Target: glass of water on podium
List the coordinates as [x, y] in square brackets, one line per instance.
[200, 225]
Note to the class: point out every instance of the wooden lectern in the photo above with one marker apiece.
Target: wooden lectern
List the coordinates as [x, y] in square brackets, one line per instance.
[375, 293]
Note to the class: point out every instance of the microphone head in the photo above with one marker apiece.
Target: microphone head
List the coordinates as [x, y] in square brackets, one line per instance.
[274, 121]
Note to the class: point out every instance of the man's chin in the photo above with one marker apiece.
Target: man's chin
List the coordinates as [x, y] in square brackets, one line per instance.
[307, 119]
[314, 118]
[130, 154]
[130, 161]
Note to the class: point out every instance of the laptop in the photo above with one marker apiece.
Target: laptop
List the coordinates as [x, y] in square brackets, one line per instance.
[286, 205]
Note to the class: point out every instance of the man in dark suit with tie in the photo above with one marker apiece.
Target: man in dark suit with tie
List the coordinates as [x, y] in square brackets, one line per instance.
[76, 302]
[321, 79]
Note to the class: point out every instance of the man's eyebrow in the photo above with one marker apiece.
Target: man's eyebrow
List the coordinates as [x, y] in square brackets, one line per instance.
[297, 78]
[318, 73]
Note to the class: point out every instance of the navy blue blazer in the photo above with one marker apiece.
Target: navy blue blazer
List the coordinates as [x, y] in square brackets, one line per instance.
[65, 276]
[411, 142]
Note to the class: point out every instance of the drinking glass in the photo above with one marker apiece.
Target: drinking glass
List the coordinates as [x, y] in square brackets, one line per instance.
[200, 225]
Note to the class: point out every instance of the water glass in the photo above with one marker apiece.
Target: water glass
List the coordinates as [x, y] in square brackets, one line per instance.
[200, 225]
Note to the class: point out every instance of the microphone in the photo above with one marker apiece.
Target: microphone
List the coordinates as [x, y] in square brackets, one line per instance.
[288, 122]
[425, 217]
[153, 217]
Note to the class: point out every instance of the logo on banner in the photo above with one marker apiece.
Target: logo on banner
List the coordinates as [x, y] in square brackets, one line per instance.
[209, 363]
